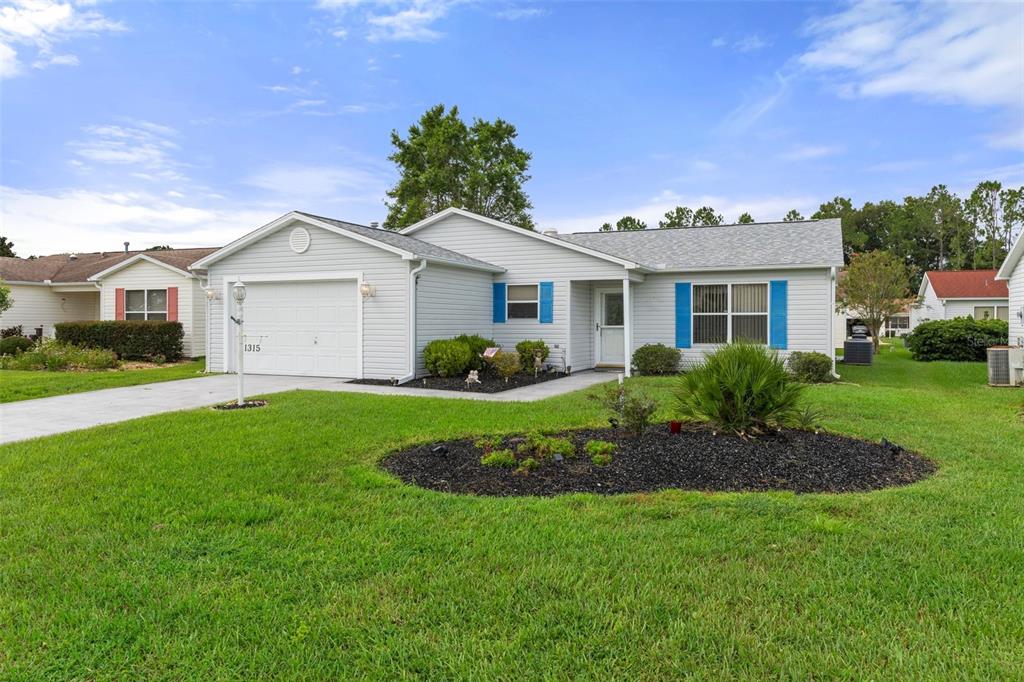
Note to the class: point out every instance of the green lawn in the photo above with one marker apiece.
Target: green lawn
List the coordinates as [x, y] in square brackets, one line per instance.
[265, 543]
[18, 385]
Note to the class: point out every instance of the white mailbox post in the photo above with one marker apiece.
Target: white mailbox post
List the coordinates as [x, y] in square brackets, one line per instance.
[238, 293]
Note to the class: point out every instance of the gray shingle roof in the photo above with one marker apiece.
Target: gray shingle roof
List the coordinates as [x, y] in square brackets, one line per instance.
[414, 246]
[808, 242]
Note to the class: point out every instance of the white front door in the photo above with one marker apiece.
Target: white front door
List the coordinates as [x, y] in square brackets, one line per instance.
[611, 333]
[301, 328]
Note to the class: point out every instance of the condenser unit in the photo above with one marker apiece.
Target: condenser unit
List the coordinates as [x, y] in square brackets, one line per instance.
[1005, 366]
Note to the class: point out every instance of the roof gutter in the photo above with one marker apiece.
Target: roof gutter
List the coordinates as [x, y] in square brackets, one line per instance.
[414, 275]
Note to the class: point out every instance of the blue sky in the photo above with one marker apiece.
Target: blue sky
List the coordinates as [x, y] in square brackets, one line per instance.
[193, 123]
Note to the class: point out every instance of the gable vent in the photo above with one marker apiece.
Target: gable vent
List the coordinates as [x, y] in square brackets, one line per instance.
[298, 240]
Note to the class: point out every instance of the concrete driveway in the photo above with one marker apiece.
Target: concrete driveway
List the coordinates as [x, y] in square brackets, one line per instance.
[59, 414]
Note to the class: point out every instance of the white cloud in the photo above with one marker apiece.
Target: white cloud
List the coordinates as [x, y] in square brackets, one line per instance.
[756, 105]
[297, 70]
[518, 13]
[744, 44]
[808, 152]
[319, 182]
[764, 209]
[284, 88]
[952, 52]
[137, 143]
[339, 32]
[83, 220]
[413, 22]
[40, 25]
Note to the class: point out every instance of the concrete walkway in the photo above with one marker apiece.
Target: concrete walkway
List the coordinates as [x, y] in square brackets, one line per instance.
[59, 414]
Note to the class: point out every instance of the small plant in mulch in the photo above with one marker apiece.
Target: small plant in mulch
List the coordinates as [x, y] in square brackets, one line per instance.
[631, 408]
[233, 405]
[499, 458]
[507, 365]
[527, 465]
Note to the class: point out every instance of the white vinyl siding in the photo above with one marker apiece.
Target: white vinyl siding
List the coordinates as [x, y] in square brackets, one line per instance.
[935, 308]
[527, 261]
[1016, 303]
[451, 302]
[145, 275]
[38, 305]
[809, 314]
[965, 307]
[385, 314]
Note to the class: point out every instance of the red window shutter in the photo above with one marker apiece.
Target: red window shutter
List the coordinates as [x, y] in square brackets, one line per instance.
[172, 304]
[118, 304]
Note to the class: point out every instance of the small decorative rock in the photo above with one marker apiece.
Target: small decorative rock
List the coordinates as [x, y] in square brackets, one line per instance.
[473, 378]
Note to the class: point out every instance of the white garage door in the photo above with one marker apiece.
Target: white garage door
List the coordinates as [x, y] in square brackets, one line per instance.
[301, 328]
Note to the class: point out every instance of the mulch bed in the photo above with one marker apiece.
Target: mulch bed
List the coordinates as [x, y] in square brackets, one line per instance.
[798, 461]
[244, 406]
[489, 383]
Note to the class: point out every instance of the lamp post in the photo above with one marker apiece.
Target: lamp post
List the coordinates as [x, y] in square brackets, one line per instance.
[238, 293]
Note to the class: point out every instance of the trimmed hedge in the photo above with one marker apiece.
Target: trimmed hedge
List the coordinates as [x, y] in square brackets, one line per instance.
[447, 357]
[12, 345]
[477, 345]
[129, 339]
[962, 339]
[656, 358]
[526, 349]
[810, 367]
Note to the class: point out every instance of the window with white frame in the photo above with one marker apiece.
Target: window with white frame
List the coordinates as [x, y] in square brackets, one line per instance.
[523, 301]
[1003, 313]
[984, 312]
[145, 304]
[898, 322]
[730, 312]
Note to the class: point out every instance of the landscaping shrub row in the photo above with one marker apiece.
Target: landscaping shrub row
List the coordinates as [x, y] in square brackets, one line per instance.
[57, 356]
[962, 339]
[129, 339]
[458, 356]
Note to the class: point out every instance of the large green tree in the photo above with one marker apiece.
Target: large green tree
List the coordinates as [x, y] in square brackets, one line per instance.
[680, 216]
[874, 288]
[745, 219]
[6, 247]
[629, 224]
[793, 216]
[442, 162]
[706, 216]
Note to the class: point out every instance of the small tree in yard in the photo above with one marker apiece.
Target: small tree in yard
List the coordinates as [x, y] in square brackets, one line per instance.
[6, 300]
[874, 288]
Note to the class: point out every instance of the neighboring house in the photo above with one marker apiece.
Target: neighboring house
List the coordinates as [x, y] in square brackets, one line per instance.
[946, 294]
[895, 325]
[330, 298]
[119, 285]
[1012, 273]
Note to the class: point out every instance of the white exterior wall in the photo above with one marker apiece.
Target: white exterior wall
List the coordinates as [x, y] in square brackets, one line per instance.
[385, 315]
[810, 313]
[38, 305]
[145, 275]
[582, 326]
[450, 302]
[527, 261]
[964, 307]
[935, 308]
[1016, 302]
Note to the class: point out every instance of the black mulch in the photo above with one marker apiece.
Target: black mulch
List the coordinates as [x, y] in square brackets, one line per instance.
[799, 461]
[244, 406]
[489, 383]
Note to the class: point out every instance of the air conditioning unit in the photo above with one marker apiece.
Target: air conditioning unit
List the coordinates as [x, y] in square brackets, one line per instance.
[1005, 366]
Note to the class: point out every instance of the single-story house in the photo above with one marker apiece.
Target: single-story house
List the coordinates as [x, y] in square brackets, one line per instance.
[1012, 274]
[331, 298]
[946, 294]
[118, 285]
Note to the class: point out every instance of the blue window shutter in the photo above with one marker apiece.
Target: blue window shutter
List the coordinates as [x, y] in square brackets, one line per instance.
[684, 310]
[499, 301]
[778, 329]
[547, 302]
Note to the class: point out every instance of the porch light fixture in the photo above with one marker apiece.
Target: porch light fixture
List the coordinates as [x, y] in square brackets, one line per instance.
[367, 290]
[238, 292]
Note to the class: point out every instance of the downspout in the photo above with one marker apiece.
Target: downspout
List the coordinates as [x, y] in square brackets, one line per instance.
[413, 278]
[831, 319]
[206, 350]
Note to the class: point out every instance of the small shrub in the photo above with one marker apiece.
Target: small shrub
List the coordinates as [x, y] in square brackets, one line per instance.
[488, 443]
[129, 339]
[477, 345]
[601, 460]
[656, 358]
[12, 345]
[810, 368]
[499, 458]
[631, 408]
[527, 465]
[741, 387]
[447, 357]
[599, 447]
[506, 365]
[962, 339]
[56, 356]
[543, 447]
[526, 352]
[808, 418]
[16, 330]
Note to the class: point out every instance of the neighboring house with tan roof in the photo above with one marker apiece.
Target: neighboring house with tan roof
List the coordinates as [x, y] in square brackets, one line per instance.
[113, 285]
[946, 294]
